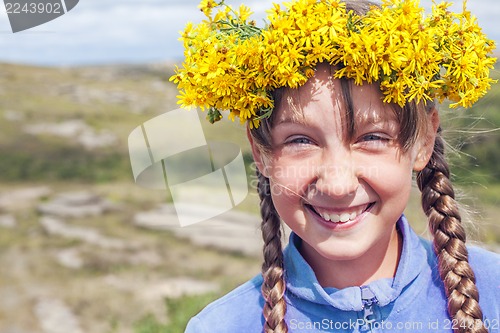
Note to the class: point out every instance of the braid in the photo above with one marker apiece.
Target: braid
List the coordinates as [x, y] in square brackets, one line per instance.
[273, 287]
[438, 202]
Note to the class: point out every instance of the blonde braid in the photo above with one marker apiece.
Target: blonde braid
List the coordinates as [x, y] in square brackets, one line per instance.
[273, 286]
[438, 202]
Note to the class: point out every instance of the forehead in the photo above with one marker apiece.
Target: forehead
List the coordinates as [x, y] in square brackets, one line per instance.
[330, 100]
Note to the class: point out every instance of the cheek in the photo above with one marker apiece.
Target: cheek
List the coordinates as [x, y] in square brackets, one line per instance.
[291, 179]
[289, 207]
[392, 181]
[288, 188]
[385, 170]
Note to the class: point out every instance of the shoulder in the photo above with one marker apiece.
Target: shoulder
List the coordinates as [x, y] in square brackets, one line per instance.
[482, 256]
[486, 265]
[239, 310]
[478, 256]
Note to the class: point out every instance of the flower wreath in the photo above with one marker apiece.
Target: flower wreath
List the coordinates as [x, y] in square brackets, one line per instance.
[233, 65]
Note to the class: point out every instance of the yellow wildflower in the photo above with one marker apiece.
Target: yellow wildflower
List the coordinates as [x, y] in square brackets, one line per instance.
[232, 65]
[244, 13]
[206, 6]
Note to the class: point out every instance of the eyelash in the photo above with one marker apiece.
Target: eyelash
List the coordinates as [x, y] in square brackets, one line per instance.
[373, 141]
[363, 139]
[374, 137]
[299, 140]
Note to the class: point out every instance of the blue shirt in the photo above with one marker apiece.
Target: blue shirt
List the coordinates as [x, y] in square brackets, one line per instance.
[413, 301]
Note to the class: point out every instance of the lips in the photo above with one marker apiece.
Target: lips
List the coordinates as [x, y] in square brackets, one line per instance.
[340, 216]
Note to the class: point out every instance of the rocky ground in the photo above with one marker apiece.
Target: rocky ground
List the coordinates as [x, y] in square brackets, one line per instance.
[82, 248]
[65, 270]
[77, 261]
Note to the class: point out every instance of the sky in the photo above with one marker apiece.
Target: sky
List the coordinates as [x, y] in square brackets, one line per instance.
[139, 31]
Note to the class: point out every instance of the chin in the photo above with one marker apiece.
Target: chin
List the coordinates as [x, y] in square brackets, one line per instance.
[340, 251]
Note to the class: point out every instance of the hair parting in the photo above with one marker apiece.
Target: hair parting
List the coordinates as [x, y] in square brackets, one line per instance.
[438, 203]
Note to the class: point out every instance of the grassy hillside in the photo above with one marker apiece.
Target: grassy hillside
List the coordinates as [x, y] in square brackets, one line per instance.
[66, 129]
[475, 135]
[118, 98]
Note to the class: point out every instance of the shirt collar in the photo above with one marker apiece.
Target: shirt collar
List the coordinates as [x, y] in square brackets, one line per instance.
[302, 282]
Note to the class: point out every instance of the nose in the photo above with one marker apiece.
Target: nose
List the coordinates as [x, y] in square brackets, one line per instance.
[337, 176]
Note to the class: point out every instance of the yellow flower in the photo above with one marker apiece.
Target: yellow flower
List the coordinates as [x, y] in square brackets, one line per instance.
[206, 6]
[232, 65]
[291, 78]
[319, 51]
[334, 22]
[185, 100]
[244, 13]
[221, 15]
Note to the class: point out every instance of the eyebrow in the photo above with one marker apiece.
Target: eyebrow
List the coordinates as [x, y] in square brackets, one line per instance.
[368, 119]
[290, 120]
[370, 116]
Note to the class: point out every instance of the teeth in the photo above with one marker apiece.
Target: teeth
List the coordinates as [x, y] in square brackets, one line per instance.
[343, 217]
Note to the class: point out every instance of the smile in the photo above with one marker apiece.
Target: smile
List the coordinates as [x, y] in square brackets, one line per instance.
[343, 216]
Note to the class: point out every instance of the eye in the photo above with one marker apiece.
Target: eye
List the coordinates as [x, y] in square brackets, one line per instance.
[373, 137]
[300, 140]
[373, 141]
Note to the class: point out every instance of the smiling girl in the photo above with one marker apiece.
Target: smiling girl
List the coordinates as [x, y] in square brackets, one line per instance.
[339, 102]
[341, 192]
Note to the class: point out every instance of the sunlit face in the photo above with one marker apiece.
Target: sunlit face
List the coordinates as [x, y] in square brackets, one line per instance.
[342, 196]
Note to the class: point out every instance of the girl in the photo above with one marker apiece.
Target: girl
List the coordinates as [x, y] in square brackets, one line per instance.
[338, 98]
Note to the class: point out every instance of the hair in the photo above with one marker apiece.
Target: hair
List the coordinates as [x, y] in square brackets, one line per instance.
[273, 286]
[438, 203]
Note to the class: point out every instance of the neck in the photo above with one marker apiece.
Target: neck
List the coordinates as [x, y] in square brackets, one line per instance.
[381, 262]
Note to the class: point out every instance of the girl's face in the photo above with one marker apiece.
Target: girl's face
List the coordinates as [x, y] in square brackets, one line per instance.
[341, 196]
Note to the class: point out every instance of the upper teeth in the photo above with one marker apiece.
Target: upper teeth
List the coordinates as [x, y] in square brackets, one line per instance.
[342, 217]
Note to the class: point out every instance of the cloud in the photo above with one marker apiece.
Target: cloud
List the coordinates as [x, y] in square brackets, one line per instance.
[103, 31]
[107, 31]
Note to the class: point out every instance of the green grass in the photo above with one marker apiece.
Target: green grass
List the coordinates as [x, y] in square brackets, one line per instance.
[179, 310]
[42, 95]
[30, 251]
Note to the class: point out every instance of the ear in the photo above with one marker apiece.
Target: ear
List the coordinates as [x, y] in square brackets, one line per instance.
[427, 141]
[258, 156]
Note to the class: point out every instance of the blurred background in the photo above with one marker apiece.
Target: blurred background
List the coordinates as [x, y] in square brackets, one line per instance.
[85, 249]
